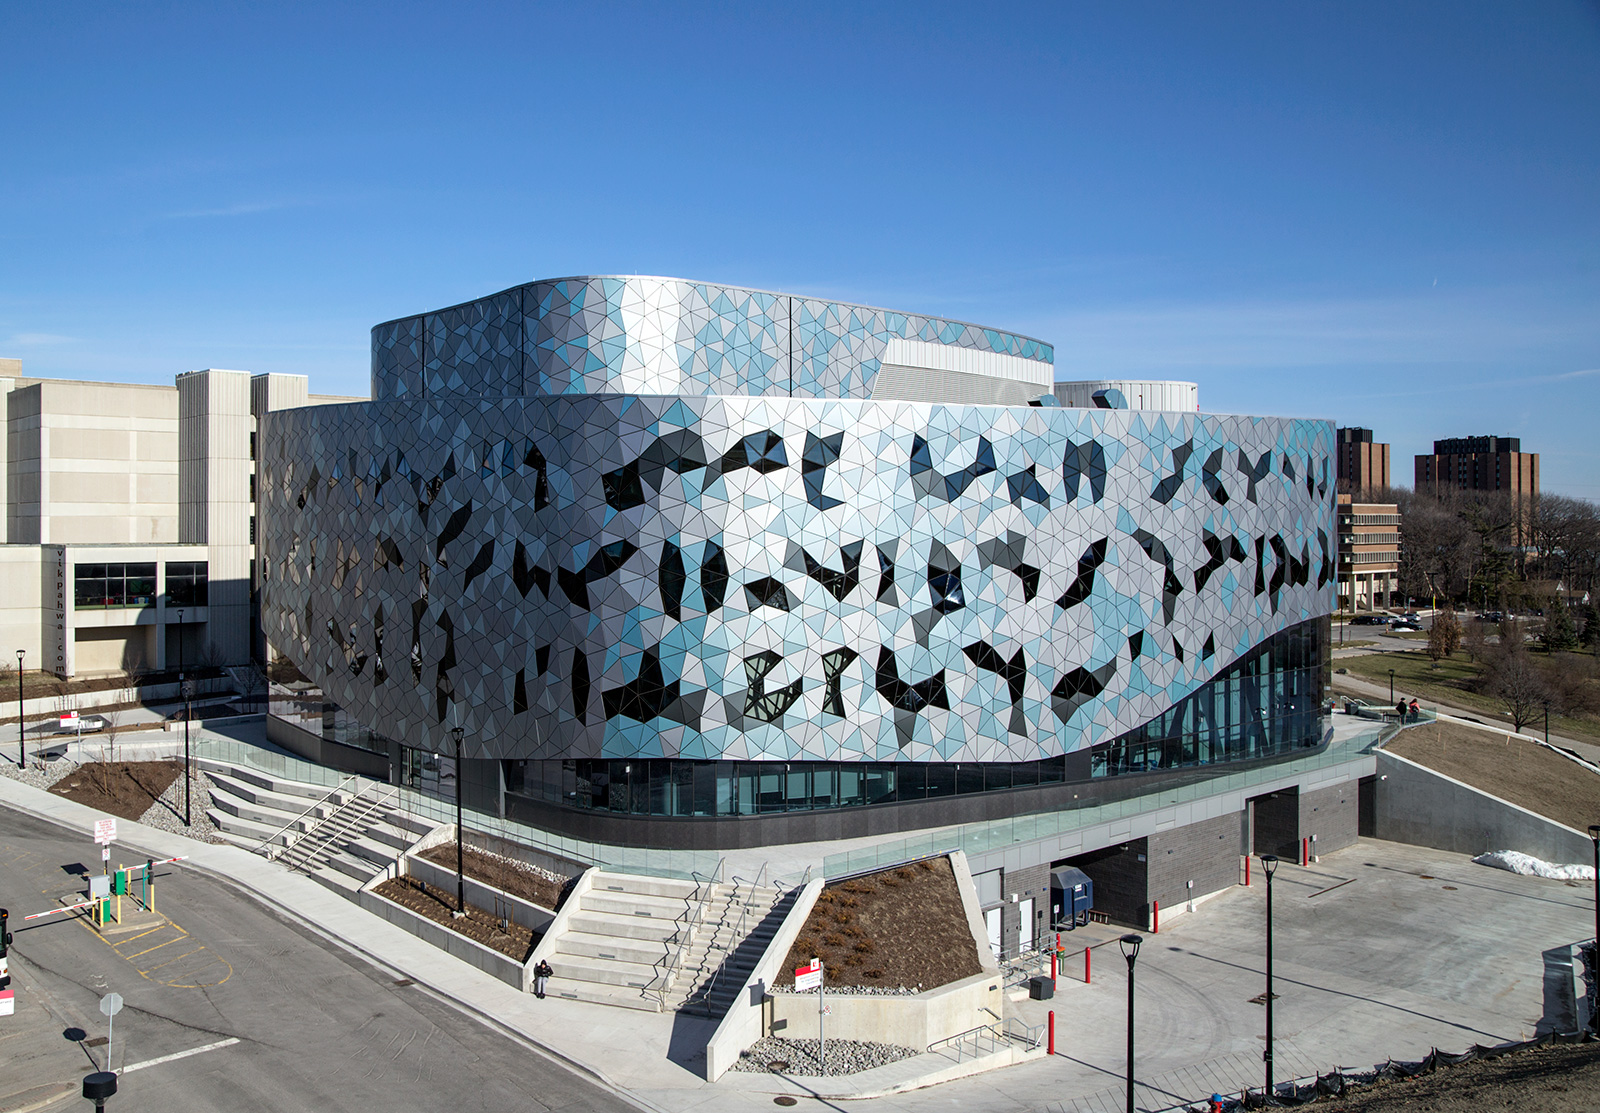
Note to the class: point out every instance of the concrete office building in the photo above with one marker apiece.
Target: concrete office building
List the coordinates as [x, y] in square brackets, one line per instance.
[677, 573]
[130, 519]
[1362, 463]
[1369, 554]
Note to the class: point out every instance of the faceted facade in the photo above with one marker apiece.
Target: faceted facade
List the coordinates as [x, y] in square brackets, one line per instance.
[623, 519]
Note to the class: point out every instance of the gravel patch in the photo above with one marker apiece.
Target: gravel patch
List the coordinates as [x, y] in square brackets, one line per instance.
[38, 774]
[844, 1057]
[166, 814]
[859, 991]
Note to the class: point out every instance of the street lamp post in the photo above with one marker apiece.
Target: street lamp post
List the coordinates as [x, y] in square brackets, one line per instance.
[1130, 951]
[461, 877]
[1547, 722]
[1269, 864]
[183, 690]
[22, 730]
[1594, 954]
[1391, 685]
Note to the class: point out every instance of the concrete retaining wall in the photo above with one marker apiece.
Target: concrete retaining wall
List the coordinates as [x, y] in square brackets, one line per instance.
[1418, 806]
[534, 917]
[569, 908]
[490, 961]
[914, 1021]
[325, 751]
[748, 1018]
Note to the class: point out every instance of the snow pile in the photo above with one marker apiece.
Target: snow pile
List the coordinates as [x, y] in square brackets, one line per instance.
[1529, 866]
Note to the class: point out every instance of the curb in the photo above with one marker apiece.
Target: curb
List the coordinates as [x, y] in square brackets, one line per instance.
[420, 979]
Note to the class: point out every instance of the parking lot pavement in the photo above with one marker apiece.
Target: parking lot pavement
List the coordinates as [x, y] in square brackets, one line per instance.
[1380, 950]
[229, 1007]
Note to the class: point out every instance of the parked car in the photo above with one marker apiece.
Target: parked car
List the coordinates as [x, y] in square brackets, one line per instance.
[1402, 625]
[1367, 620]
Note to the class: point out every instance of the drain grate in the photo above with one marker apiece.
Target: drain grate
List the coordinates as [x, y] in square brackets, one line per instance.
[783, 1099]
[1261, 998]
[404, 981]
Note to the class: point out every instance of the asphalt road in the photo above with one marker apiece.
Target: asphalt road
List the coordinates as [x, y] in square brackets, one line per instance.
[316, 1028]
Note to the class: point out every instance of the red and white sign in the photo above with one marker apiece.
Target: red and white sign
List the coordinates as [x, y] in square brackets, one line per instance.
[8, 1002]
[105, 831]
[807, 977]
[69, 719]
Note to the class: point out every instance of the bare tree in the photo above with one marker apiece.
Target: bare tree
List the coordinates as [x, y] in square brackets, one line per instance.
[112, 730]
[1513, 678]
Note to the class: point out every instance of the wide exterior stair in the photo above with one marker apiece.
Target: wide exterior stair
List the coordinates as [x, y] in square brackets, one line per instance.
[741, 919]
[341, 839]
[622, 942]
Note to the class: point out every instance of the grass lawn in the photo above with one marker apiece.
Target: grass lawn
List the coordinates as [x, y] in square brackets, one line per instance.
[1415, 675]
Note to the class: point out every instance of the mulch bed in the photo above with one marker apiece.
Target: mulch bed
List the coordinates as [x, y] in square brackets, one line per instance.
[1524, 773]
[120, 788]
[499, 874]
[478, 924]
[898, 927]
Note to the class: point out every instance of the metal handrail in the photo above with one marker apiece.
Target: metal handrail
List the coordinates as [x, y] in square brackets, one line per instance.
[691, 915]
[997, 1033]
[704, 993]
[343, 821]
[331, 793]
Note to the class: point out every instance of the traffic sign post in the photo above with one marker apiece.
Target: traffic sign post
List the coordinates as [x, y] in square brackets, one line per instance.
[111, 1005]
[810, 977]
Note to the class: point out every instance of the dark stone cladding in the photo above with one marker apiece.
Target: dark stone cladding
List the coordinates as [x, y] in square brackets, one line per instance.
[729, 833]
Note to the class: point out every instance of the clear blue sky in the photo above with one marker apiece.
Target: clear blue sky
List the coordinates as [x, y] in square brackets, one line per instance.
[1384, 214]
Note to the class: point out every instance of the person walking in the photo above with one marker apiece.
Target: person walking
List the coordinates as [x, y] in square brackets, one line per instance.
[541, 978]
[1414, 710]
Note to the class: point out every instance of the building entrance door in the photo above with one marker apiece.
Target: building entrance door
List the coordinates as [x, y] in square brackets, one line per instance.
[991, 920]
[1025, 928]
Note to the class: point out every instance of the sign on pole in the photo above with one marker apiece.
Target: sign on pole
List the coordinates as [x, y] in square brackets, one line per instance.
[807, 977]
[69, 719]
[105, 831]
[111, 1005]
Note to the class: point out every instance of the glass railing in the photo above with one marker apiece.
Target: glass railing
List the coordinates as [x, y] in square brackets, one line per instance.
[996, 834]
[626, 859]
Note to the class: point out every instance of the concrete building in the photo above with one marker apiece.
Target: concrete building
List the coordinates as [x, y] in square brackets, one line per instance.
[1369, 554]
[129, 539]
[1479, 464]
[1362, 464]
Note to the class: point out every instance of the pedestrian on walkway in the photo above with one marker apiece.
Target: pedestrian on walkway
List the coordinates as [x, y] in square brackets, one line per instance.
[1400, 708]
[1414, 709]
[541, 978]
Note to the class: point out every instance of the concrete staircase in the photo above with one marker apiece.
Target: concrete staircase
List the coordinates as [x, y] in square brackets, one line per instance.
[341, 839]
[741, 919]
[622, 943]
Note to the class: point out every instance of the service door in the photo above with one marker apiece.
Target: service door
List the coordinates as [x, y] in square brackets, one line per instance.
[991, 920]
[1025, 926]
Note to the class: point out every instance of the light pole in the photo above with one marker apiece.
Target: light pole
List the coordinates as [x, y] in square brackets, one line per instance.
[183, 690]
[1269, 863]
[1130, 951]
[461, 877]
[1391, 685]
[1594, 954]
[1547, 722]
[22, 735]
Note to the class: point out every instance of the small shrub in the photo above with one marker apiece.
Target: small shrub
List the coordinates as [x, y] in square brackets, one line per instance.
[865, 947]
[891, 882]
[849, 902]
[904, 873]
[833, 940]
[928, 865]
[841, 917]
[825, 897]
[872, 973]
[852, 960]
[855, 931]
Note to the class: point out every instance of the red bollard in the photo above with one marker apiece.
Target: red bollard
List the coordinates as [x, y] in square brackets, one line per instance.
[1086, 966]
[1155, 917]
[1053, 973]
[1305, 852]
[1052, 1050]
[1247, 871]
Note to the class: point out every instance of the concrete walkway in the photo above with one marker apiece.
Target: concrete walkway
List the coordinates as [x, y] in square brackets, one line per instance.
[1373, 960]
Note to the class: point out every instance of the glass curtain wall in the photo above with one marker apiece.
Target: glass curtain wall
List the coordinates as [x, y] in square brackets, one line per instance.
[1266, 704]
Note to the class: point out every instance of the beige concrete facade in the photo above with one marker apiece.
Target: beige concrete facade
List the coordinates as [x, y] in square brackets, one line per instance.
[1369, 554]
[131, 477]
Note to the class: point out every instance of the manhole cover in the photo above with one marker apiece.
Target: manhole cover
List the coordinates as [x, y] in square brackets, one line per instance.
[783, 1099]
[777, 1066]
[1452, 888]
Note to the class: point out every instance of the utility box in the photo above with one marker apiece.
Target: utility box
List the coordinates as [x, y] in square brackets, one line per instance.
[1041, 988]
[1071, 897]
